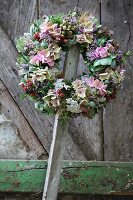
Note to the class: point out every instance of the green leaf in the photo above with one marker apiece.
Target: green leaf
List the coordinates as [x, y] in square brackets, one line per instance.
[22, 59]
[44, 107]
[48, 109]
[39, 106]
[99, 68]
[44, 45]
[101, 41]
[113, 56]
[23, 96]
[128, 53]
[20, 44]
[92, 104]
[91, 113]
[103, 61]
[57, 19]
[35, 27]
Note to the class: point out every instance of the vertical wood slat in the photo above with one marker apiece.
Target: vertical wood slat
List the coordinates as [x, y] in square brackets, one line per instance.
[118, 116]
[13, 113]
[85, 136]
[59, 133]
[55, 160]
[9, 77]
[16, 18]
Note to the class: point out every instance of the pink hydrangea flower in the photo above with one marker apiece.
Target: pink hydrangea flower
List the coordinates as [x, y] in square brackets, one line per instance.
[97, 84]
[46, 27]
[50, 28]
[90, 81]
[42, 56]
[77, 84]
[101, 52]
[102, 88]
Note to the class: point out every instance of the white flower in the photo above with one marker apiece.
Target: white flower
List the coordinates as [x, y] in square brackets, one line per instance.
[59, 84]
[77, 84]
[73, 106]
[40, 75]
[81, 92]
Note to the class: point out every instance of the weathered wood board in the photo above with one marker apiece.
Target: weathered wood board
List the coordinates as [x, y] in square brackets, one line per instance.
[77, 177]
[86, 134]
[118, 116]
[12, 196]
[16, 118]
[42, 125]
[16, 16]
[60, 132]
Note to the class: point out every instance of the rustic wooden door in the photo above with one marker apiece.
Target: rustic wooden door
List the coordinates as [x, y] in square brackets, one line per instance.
[25, 132]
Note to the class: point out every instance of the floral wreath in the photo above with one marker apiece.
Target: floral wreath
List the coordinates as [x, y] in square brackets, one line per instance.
[42, 77]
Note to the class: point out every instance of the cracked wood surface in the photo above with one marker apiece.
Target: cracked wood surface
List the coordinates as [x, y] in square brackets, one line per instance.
[118, 116]
[105, 178]
[9, 77]
[16, 118]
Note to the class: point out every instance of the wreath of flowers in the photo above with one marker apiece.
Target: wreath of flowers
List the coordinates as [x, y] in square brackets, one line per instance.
[39, 64]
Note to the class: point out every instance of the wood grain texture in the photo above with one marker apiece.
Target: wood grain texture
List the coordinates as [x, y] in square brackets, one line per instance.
[86, 134]
[55, 160]
[118, 116]
[49, 7]
[71, 63]
[13, 113]
[59, 133]
[9, 76]
[90, 178]
[18, 196]
[16, 16]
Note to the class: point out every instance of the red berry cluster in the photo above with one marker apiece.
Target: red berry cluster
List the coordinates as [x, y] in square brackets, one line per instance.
[60, 93]
[26, 85]
[36, 36]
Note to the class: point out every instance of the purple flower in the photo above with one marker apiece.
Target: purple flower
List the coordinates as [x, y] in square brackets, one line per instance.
[73, 20]
[101, 52]
[96, 84]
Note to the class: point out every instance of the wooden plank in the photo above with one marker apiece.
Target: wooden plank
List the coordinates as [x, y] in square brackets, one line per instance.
[85, 136]
[55, 160]
[118, 116]
[19, 196]
[48, 7]
[13, 113]
[40, 123]
[59, 133]
[16, 16]
[110, 178]
[9, 76]
[93, 197]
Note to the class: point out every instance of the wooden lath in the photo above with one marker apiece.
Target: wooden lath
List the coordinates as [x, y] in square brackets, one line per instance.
[13, 113]
[91, 178]
[60, 132]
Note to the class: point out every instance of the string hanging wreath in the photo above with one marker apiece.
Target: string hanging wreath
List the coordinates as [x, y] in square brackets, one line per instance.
[39, 65]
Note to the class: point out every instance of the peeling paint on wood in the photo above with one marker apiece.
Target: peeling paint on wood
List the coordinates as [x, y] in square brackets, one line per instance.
[106, 178]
